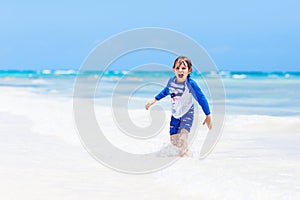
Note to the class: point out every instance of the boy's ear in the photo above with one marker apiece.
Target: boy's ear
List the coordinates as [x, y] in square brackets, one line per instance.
[190, 70]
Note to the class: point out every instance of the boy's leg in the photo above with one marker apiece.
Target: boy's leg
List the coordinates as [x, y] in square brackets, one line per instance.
[174, 125]
[174, 139]
[182, 142]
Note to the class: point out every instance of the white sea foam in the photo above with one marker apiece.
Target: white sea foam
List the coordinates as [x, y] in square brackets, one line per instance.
[64, 72]
[50, 116]
[46, 71]
[239, 76]
[257, 156]
[39, 81]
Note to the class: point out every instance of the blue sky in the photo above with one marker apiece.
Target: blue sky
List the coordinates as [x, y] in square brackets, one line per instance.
[238, 35]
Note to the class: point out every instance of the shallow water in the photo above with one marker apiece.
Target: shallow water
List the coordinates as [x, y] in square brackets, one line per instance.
[257, 156]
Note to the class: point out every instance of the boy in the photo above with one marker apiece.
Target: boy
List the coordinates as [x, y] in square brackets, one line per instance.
[182, 88]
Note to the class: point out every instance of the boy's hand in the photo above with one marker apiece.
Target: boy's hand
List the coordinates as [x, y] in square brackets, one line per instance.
[208, 122]
[150, 103]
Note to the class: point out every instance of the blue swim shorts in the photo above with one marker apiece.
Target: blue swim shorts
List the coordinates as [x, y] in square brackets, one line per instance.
[184, 122]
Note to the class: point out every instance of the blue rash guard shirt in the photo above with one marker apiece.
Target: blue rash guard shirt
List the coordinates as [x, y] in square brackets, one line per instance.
[181, 96]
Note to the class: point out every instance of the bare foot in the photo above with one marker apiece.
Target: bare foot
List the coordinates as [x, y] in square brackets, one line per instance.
[184, 154]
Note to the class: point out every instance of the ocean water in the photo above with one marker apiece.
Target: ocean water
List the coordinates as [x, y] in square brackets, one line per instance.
[257, 156]
[249, 93]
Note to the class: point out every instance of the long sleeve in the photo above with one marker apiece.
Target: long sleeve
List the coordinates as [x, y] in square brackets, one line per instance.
[199, 96]
[162, 94]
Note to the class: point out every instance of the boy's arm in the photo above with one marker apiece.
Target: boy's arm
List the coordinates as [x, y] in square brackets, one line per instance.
[150, 103]
[200, 97]
[208, 121]
[162, 94]
[158, 97]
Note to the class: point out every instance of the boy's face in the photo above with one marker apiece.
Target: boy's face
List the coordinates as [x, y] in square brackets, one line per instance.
[181, 71]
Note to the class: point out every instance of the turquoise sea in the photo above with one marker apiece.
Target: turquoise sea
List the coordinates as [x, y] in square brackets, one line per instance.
[253, 93]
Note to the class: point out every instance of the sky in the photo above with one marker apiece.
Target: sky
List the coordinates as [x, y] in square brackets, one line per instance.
[251, 35]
